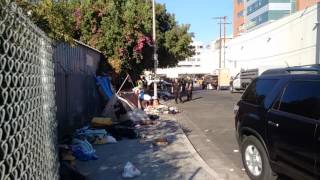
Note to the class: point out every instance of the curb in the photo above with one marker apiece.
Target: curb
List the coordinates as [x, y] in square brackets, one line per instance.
[196, 154]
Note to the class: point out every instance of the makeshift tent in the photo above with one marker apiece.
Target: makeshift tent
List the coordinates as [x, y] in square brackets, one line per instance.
[105, 85]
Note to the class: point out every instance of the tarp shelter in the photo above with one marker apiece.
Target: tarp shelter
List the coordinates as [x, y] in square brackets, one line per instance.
[103, 82]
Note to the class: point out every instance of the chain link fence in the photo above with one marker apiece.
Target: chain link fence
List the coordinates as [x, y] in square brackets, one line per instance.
[27, 106]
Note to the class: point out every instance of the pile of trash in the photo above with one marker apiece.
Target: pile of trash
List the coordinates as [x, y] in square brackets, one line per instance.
[101, 131]
[121, 118]
[161, 109]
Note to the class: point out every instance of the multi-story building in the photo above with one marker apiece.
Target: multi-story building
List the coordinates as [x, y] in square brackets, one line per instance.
[238, 17]
[289, 41]
[261, 11]
[250, 14]
[203, 62]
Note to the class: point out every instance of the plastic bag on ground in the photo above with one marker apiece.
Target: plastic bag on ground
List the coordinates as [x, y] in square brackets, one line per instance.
[83, 150]
[105, 140]
[111, 140]
[130, 171]
[91, 134]
[137, 115]
[173, 110]
[87, 132]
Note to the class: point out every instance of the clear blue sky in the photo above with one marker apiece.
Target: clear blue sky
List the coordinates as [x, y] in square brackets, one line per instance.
[199, 14]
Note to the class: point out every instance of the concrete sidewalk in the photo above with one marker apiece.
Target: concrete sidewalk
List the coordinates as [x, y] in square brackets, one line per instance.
[177, 160]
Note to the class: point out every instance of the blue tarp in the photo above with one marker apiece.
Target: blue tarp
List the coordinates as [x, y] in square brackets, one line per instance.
[105, 84]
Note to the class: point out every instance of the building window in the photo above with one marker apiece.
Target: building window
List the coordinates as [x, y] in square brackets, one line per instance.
[198, 53]
[257, 5]
[240, 14]
[260, 19]
[240, 1]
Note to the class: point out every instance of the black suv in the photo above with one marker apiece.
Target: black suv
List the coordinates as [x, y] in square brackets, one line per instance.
[278, 124]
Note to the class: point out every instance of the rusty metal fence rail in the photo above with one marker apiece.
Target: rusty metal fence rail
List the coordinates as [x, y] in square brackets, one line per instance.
[27, 105]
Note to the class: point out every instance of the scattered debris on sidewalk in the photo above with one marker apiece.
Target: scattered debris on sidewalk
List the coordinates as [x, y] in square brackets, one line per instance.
[159, 148]
[83, 150]
[161, 109]
[105, 140]
[130, 171]
[160, 142]
[121, 119]
[173, 110]
[66, 155]
[101, 122]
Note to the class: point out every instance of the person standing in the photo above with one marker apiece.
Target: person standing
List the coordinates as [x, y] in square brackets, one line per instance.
[189, 89]
[176, 90]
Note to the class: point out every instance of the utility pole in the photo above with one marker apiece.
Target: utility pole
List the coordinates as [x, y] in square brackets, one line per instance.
[224, 40]
[155, 55]
[222, 21]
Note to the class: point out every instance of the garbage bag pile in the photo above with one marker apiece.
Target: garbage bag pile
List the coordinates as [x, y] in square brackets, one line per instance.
[104, 131]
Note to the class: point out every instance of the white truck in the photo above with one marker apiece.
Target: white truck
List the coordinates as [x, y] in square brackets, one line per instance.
[223, 79]
[242, 80]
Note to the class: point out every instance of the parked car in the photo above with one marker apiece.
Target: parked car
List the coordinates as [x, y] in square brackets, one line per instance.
[277, 124]
[163, 89]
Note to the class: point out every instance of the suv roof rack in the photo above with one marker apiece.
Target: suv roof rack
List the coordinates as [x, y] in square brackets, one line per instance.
[308, 69]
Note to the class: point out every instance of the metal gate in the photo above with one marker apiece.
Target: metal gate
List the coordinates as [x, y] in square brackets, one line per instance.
[27, 104]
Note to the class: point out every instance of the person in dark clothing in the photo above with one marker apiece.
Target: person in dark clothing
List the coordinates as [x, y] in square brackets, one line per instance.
[176, 90]
[183, 87]
[189, 88]
[183, 84]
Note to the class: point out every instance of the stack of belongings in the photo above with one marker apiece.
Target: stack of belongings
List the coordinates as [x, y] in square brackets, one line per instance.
[118, 130]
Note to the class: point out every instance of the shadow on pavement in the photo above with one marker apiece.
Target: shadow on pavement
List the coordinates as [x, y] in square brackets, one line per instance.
[194, 99]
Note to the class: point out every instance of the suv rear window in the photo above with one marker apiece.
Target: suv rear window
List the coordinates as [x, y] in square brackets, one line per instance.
[258, 90]
[302, 98]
